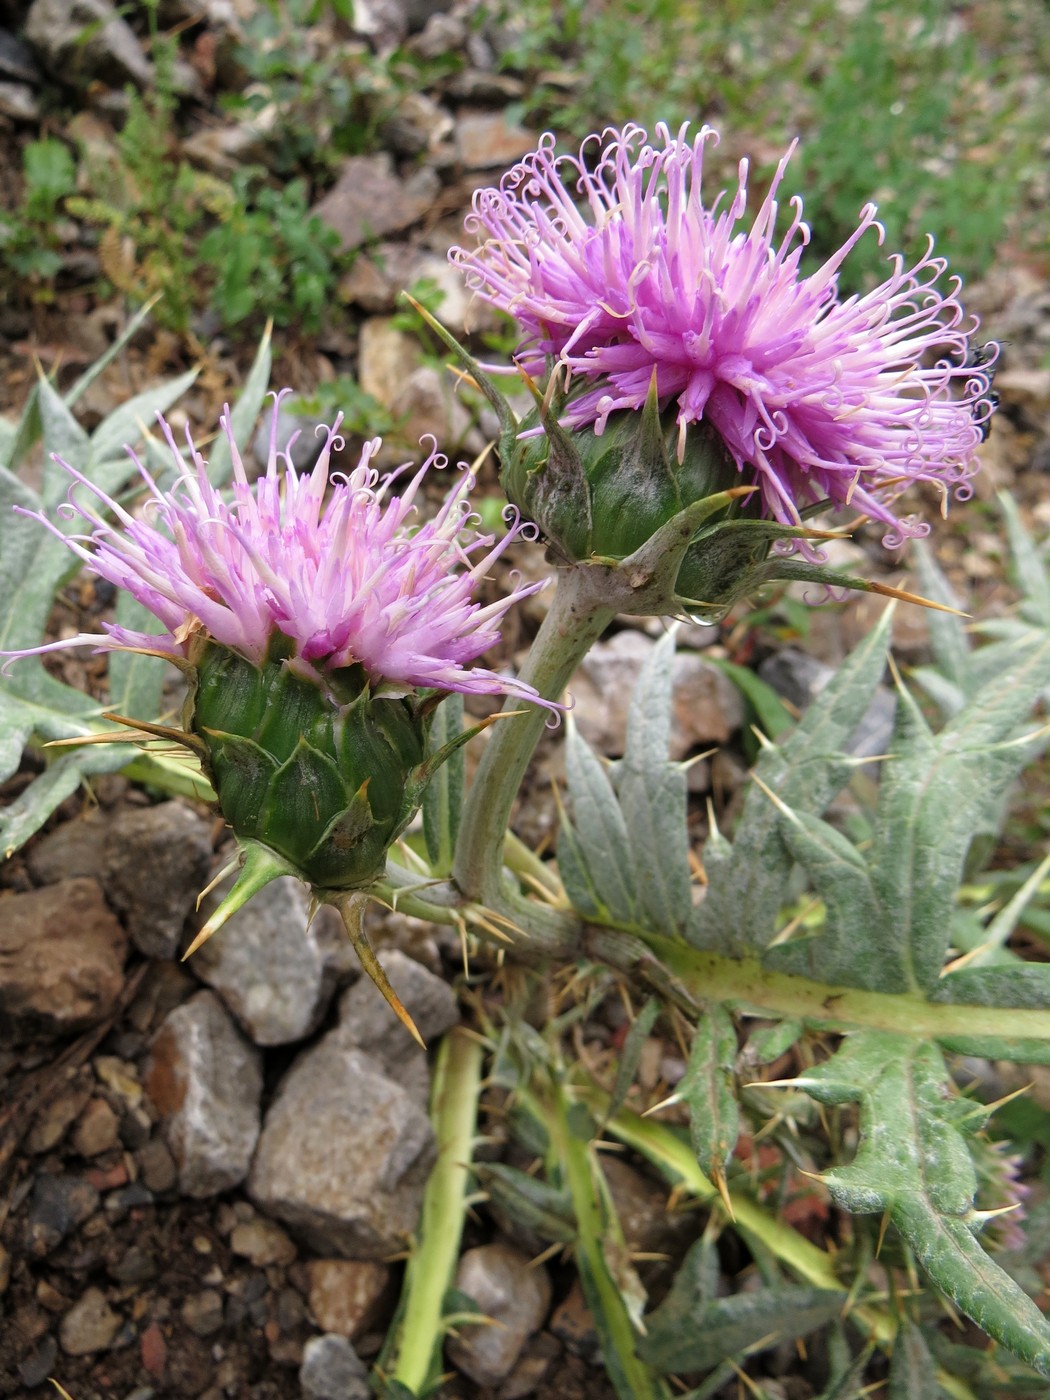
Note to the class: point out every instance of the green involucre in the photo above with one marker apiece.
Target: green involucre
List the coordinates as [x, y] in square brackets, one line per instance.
[327, 781]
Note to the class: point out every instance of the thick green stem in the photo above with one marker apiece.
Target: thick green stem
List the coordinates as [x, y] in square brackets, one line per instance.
[432, 1265]
[598, 1238]
[744, 984]
[576, 620]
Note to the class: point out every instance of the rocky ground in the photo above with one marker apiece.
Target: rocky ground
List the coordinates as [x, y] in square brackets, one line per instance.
[208, 1172]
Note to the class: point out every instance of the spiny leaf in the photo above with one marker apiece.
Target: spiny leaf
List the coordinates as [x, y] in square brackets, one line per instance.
[913, 1162]
[708, 1088]
[746, 882]
[912, 1372]
[601, 830]
[694, 1330]
[653, 796]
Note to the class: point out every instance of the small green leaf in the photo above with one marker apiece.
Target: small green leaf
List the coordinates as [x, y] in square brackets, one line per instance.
[912, 1372]
[601, 830]
[631, 1054]
[653, 795]
[443, 795]
[693, 1330]
[709, 1088]
[747, 881]
[768, 1043]
[913, 1162]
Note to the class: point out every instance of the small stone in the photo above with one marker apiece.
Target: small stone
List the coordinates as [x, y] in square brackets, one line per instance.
[573, 1322]
[18, 100]
[370, 200]
[332, 1370]
[61, 960]
[366, 1021]
[157, 1167]
[83, 39]
[136, 1265]
[532, 1368]
[262, 1242]
[640, 1206]
[72, 849]
[387, 356]
[97, 1129]
[224, 149]
[346, 1295]
[206, 1082]
[426, 402]
[55, 1116]
[157, 860]
[48, 1296]
[707, 707]
[272, 965]
[514, 1295]
[153, 1348]
[39, 1364]
[90, 1325]
[16, 60]
[344, 1154]
[202, 1312]
[485, 140]
[58, 1204]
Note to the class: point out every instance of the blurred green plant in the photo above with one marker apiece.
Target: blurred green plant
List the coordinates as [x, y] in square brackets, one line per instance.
[928, 108]
[269, 257]
[363, 415]
[29, 239]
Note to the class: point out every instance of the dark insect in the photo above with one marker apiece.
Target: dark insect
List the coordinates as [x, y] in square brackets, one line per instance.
[983, 358]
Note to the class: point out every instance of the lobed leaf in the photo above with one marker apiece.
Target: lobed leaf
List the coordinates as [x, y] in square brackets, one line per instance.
[694, 1330]
[709, 1088]
[913, 1163]
[653, 794]
[746, 882]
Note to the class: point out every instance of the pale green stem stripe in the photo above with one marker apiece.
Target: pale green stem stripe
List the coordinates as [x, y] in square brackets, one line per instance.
[432, 1264]
[744, 984]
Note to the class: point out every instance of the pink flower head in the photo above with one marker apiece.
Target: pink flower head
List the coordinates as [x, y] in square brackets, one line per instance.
[614, 267]
[354, 580]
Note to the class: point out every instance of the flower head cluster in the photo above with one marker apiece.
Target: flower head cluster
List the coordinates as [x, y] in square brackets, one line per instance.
[343, 571]
[614, 266]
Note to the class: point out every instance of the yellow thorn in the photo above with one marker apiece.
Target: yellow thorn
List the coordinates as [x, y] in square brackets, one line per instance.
[722, 1187]
[886, 591]
[352, 911]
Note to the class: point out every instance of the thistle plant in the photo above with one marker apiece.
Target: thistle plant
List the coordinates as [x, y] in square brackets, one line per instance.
[318, 628]
[700, 396]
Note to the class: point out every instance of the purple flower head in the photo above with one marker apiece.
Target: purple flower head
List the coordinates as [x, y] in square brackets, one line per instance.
[615, 268]
[351, 579]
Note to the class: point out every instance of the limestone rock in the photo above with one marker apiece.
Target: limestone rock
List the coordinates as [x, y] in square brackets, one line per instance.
[498, 1277]
[90, 1325]
[367, 1022]
[332, 1370]
[344, 1154]
[274, 970]
[369, 200]
[157, 861]
[387, 356]
[61, 959]
[486, 140]
[346, 1295]
[83, 39]
[427, 403]
[707, 706]
[206, 1081]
